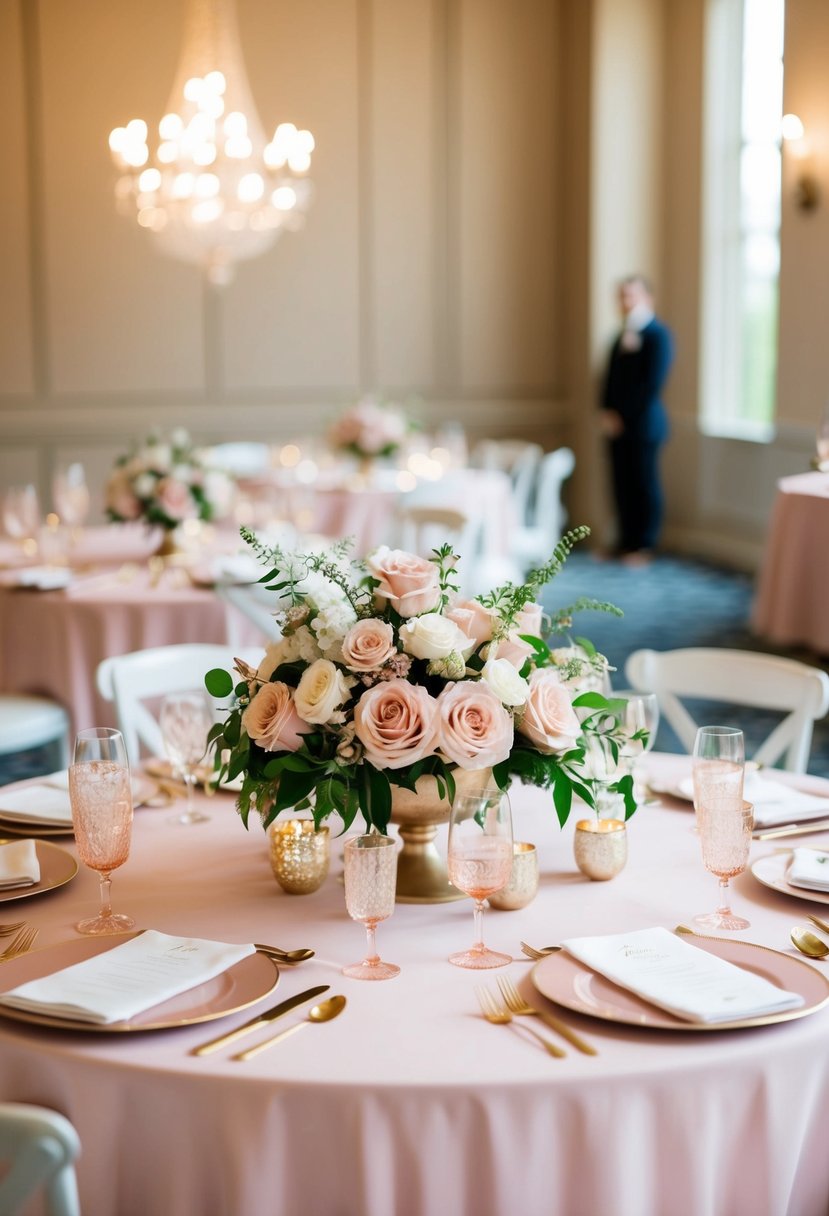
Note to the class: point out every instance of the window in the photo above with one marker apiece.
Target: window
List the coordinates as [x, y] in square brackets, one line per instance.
[741, 216]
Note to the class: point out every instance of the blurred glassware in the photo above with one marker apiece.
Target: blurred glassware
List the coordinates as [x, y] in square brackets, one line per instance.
[70, 494]
[641, 715]
[822, 438]
[21, 516]
[185, 720]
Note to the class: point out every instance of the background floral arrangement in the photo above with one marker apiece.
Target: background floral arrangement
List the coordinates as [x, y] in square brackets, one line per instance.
[165, 482]
[369, 428]
[384, 675]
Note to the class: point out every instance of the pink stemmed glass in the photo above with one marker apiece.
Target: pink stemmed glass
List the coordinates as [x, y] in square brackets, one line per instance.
[370, 882]
[101, 798]
[724, 821]
[480, 861]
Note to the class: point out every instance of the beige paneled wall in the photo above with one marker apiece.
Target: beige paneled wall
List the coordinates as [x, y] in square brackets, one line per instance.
[429, 263]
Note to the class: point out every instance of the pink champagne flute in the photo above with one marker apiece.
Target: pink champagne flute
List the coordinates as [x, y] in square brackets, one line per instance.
[480, 861]
[724, 821]
[370, 882]
[101, 798]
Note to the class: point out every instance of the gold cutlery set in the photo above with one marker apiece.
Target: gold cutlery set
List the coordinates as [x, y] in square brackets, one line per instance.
[325, 1011]
[501, 1012]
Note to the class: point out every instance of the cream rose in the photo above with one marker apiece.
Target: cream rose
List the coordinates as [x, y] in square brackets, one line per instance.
[272, 721]
[368, 645]
[549, 720]
[397, 723]
[509, 687]
[433, 636]
[475, 729]
[321, 690]
[409, 583]
[475, 620]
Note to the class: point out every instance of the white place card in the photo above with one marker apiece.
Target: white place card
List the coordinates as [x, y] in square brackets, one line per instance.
[124, 981]
[679, 977]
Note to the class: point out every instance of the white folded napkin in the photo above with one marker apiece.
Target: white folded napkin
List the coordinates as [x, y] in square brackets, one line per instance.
[809, 868]
[19, 866]
[675, 975]
[44, 578]
[120, 983]
[776, 803]
[37, 804]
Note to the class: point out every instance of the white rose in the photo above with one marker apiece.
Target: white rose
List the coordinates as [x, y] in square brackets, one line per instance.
[321, 690]
[432, 636]
[509, 687]
[144, 485]
[180, 438]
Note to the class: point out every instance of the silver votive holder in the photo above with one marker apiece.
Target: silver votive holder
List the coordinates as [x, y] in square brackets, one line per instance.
[600, 847]
[299, 855]
[522, 887]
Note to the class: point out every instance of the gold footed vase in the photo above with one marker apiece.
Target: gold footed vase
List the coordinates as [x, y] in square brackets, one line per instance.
[169, 546]
[422, 877]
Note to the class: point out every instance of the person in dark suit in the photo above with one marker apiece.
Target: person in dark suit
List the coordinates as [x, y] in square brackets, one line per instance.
[634, 419]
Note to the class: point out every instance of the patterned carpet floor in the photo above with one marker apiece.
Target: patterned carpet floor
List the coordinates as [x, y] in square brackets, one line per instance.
[672, 603]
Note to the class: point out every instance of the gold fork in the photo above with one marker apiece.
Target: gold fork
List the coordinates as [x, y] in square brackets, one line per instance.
[8, 930]
[532, 952]
[20, 943]
[517, 1005]
[818, 923]
[496, 1013]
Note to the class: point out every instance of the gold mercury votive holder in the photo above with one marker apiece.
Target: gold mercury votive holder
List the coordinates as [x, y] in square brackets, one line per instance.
[522, 887]
[299, 855]
[600, 847]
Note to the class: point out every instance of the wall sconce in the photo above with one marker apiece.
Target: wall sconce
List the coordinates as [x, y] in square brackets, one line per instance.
[807, 187]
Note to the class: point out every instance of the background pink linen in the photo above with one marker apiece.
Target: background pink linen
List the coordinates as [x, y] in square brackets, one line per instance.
[410, 1103]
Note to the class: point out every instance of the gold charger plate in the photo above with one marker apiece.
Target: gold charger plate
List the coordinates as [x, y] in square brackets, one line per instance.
[564, 980]
[771, 872]
[57, 867]
[241, 986]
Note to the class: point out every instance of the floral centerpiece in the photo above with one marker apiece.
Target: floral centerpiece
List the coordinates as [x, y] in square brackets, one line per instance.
[384, 675]
[165, 482]
[369, 429]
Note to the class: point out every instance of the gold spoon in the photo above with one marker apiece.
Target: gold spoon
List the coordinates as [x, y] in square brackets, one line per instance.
[324, 1012]
[808, 944]
[818, 923]
[284, 956]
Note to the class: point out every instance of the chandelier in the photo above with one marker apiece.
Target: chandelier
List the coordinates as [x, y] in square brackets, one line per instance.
[212, 189]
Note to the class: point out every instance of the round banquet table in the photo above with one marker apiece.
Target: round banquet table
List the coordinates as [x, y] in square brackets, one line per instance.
[410, 1102]
[51, 641]
[790, 607]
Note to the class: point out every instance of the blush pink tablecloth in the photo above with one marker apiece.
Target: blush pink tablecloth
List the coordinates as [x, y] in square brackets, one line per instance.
[793, 589]
[410, 1103]
[51, 642]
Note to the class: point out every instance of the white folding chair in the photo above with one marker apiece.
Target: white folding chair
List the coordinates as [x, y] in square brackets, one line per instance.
[41, 1148]
[534, 543]
[738, 677]
[28, 722]
[520, 459]
[131, 679]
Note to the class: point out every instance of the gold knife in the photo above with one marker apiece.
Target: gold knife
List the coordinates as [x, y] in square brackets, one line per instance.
[262, 1019]
[793, 829]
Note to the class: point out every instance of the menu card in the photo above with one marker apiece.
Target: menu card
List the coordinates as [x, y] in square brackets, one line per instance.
[809, 868]
[37, 804]
[120, 983]
[19, 866]
[674, 975]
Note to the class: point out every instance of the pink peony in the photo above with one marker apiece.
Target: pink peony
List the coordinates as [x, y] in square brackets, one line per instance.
[475, 620]
[397, 724]
[175, 500]
[272, 721]
[409, 583]
[120, 498]
[368, 645]
[475, 729]
[549, 720]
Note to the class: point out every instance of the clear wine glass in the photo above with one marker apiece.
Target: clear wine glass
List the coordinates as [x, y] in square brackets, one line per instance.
[70, 495]
[185, 721]
[724, 821]
[480, 861]
[21, 516]
[370, 881]
[101, 798]
[641, 714]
